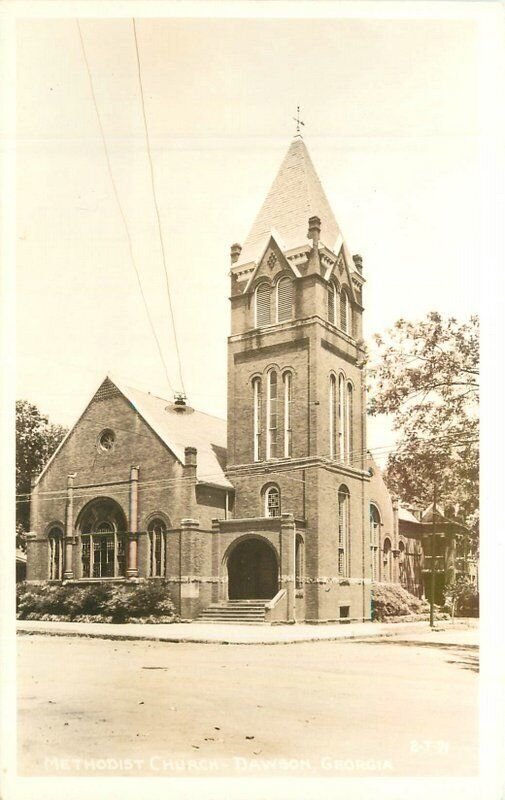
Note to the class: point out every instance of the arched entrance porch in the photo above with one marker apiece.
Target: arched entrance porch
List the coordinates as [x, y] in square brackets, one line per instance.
[253, 571]
[103, 537]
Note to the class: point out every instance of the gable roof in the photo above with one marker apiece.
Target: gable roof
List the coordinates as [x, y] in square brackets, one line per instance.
[177, 429]
[295, 195]
[406, 516]
[184, 428]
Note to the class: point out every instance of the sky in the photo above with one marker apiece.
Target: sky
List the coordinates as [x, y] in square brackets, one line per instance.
[392, 124]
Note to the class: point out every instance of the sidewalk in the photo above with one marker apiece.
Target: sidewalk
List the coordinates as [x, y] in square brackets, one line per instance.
[247, 634]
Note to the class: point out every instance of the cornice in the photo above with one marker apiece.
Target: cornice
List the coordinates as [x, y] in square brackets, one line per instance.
[281, 465]
[315, 319]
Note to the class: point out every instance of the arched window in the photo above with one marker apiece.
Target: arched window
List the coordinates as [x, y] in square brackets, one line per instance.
[348, 424]
[272, 502]
[272, 414]
[256, 419]
[55, 541]
[344, 310]
[105, 527]
[341, 417]
[333, 416]
[299, 562]
[332, 303]
[284, 299]
[288, 389]
[103, 545]
[157, 534]
[262, 312]
[386, 561]
[343, 531]
[401, 564]
[374, 540]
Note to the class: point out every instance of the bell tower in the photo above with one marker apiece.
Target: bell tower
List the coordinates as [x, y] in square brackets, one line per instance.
[296, 418]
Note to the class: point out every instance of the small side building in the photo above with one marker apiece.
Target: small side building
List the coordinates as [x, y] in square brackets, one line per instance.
[454, 551]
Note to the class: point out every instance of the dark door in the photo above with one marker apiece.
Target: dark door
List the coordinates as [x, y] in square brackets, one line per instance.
[252, 571]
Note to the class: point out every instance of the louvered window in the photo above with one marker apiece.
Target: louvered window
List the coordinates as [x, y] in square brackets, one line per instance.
[284, 299]
[354, 323]
[332, 303]
[344, 311]
[272, 415]
[263, 305]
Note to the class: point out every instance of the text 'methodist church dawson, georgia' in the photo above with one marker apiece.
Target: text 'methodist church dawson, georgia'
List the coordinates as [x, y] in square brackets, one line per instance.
[282, 506]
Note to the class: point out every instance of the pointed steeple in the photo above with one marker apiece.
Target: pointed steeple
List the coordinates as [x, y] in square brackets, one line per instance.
[295, 195]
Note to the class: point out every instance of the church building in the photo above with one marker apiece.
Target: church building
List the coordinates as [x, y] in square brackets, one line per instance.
[278, 515]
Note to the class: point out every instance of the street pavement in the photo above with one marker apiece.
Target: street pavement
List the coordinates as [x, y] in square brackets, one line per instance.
[397, 706]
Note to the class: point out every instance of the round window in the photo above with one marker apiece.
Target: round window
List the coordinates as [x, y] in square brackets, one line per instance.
[106, 440]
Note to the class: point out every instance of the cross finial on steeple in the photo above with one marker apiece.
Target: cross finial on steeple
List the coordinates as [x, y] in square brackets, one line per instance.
[298, 120]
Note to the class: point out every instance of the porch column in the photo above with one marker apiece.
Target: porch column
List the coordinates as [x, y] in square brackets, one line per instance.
[68, 572]
[133, 524]
[287, 562]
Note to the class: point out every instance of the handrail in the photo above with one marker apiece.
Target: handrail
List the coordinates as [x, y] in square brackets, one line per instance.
[273, 602]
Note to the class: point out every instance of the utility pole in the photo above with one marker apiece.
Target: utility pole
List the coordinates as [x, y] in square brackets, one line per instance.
[432, 592]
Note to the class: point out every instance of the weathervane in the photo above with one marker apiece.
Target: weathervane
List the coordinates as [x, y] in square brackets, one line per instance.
[298, 120]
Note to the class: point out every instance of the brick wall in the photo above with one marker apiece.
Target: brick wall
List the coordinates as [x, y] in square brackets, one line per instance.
[161, 489]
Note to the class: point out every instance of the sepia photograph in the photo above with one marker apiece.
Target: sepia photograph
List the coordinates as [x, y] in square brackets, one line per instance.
[249, 249]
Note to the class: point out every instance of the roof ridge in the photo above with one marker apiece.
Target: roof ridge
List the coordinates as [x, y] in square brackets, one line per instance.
[171, 402]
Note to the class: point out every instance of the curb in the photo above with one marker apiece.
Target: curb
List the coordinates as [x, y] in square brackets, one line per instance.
[174, 639]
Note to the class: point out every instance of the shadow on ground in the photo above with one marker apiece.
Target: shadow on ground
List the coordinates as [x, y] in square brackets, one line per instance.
[466, 654]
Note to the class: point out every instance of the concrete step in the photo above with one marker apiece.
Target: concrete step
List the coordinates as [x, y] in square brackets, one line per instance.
[237, 608]
[217, 614]
[225, 612]
[237, 605]
[229, 621]
[242, 612]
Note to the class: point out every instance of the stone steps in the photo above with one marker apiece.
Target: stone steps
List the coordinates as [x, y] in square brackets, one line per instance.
[240, 612]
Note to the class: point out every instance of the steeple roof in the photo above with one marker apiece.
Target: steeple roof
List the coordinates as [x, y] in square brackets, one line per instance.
[295, 195]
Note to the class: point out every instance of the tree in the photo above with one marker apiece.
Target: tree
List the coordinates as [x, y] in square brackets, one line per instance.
[36, 441]
[426, 375]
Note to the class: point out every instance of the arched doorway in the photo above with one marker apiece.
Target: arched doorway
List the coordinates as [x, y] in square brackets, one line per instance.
[252, 571]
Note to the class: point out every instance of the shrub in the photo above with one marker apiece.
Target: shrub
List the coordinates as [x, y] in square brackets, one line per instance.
[140, 600]
[146, 601]
[392, 600]
[462, 598]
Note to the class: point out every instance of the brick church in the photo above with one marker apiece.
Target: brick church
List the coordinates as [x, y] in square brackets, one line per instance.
[278, 515]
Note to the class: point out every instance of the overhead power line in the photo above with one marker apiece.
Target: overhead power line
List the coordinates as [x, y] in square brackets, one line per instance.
[59, 494]
[119, 205]
[155, 200]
